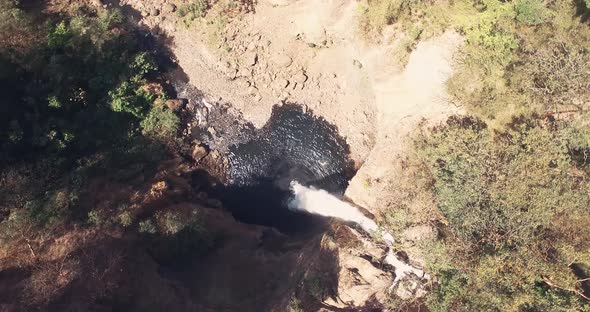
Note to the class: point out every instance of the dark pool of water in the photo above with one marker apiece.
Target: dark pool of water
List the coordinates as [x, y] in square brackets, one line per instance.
[293, 145]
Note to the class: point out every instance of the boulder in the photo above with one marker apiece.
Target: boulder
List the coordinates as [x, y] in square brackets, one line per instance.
[250, 58]
[199, 152]
[169, 7]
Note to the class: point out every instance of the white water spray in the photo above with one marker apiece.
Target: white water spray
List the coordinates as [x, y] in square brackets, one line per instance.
[322, 203]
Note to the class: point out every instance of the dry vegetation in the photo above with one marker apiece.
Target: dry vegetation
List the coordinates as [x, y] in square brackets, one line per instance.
[506, 179]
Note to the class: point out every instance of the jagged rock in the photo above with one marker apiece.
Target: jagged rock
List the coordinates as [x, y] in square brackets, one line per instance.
[358, 64]
[170, 7]
[199, 152]
[250, 58]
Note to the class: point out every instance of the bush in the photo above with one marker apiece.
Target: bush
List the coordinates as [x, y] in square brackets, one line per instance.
[173, 222]
[192, 11]
[160, 123]
[531, 12]
[130, 98]
[490, 40]
[60, 37]
[147, 226]
[557, 75]
[96, 218]
[505, 194]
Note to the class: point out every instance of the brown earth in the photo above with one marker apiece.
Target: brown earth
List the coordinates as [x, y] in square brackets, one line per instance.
[308, 52]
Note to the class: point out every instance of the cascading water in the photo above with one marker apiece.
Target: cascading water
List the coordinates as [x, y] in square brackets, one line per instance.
[320, 202]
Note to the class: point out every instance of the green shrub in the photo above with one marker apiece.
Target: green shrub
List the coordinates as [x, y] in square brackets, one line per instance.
[142, 65]
[96, 218]
[505, 195]
[147, 226]
[130, 98]
[380, 13]
[173, 222]
[490, 41]
[531, 12]
[160, 123]
[193, 10]
[557, 75]
[60, 37]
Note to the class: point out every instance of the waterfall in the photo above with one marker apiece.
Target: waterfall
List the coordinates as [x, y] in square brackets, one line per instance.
[320, 202]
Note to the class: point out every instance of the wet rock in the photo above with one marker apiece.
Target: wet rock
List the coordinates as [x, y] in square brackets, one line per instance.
[199, 152]
[175, 105]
